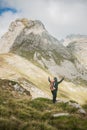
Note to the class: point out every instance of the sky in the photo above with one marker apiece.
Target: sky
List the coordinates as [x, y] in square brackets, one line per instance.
[60, 17]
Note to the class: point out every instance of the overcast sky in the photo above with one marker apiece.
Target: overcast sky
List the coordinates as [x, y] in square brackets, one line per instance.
[60, 17]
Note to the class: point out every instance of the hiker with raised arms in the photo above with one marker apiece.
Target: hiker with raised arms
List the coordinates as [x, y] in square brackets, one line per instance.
[54, 87]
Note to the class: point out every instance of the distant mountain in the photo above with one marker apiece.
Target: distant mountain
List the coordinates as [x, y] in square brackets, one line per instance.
[79, 50]
[77, 46]
[73, 38]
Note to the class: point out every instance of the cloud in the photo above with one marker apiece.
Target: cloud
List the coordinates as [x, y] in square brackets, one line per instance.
[60, 17]
[5, 20]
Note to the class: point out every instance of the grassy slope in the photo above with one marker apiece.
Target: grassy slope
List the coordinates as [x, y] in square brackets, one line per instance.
[14, 67]
[17, 67]
[24, 114]
[74, 92]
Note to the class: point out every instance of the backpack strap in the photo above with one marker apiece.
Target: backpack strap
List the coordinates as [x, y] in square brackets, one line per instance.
[52, 85]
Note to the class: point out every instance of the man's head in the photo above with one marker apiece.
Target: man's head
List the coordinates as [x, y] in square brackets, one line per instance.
[55, 79]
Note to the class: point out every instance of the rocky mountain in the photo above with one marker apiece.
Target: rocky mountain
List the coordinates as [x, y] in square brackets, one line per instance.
[30, 39]
[41, 55]
[79, 50]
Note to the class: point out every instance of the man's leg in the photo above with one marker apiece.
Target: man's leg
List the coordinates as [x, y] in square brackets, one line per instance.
[54, 96]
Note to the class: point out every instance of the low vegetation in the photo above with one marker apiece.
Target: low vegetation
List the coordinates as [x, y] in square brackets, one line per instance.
[26, 114]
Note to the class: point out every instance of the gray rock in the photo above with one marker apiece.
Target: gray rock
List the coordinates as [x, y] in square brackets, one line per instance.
[82, 111]
[76, 105]
[61, 114]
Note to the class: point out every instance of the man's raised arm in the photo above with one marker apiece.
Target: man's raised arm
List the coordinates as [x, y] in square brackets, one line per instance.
[61, 80]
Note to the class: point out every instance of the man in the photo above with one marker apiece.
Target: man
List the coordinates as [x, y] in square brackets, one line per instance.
[54, 87]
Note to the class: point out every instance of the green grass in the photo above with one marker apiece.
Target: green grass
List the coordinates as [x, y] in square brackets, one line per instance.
[26, 114]
[85, 106]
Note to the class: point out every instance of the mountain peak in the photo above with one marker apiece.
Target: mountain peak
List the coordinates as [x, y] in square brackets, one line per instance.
[16, 28]
[76, 36]
[35, 25]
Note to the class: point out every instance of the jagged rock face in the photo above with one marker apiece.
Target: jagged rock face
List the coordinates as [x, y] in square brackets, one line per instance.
[35, 43]
[30, 39]
[27, 35]
[34, 37]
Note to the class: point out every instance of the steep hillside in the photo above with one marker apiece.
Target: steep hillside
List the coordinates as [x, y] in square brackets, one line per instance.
[34, 79]
[31, 77]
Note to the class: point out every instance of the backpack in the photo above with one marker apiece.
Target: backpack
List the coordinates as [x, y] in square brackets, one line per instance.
[52, 85]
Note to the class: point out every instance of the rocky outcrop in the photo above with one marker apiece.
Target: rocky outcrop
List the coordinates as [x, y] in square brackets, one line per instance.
[74, 104]
[14, 87]
[78, 107]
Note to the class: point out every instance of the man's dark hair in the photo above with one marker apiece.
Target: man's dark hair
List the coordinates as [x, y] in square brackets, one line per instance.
[55, 78]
